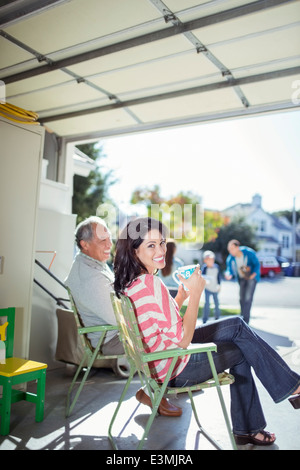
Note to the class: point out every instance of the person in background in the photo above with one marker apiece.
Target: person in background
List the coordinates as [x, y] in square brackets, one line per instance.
[140, 251]
[243, 264]
[172, 263]
[91, 282]
[211, 271]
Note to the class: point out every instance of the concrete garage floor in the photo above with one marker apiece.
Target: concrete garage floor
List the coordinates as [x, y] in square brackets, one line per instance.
[86, 428]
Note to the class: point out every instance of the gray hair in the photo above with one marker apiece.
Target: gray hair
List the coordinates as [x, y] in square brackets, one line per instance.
[84, 230]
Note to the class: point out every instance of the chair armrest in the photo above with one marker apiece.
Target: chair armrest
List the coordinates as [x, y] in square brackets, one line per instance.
[92, 329]
[177, 352]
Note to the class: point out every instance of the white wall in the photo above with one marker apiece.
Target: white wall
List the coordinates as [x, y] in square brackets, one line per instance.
[55, 233]
[20, 166]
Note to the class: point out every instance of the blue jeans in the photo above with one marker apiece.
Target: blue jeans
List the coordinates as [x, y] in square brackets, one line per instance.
[206, 309]
[247, 288]
[239, 349]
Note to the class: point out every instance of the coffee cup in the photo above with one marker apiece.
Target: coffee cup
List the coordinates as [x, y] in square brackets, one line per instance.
[185, 272]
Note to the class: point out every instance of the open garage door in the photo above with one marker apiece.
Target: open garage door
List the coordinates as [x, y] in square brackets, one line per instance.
[95, 68]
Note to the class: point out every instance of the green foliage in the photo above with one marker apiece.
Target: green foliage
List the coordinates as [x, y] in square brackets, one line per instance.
[236, 229]
[151, 197]
[213, 221]
[182, 213]
[288, 215]
[146, 196]
[92, 190]
[224, 311]
[218, 230]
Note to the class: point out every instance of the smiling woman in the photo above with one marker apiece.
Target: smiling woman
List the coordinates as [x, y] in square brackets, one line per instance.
[140, 250]
[152, 251]
[146, 236]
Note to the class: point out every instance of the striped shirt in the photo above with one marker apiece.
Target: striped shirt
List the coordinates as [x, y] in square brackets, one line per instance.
[159, 322]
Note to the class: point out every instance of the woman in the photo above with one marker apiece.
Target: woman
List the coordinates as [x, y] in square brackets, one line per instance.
[140, 252]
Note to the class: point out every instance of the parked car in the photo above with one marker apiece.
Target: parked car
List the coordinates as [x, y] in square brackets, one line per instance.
[286, 266]
[295, 267]
[269, 266]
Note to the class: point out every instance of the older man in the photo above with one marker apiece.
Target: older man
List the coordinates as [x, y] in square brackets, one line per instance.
[90, 281]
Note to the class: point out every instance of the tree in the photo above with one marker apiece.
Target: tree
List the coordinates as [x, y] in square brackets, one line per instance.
[288, 214]
[209, 222]
[236, 229]
[146, 196]
[182, 214]
[92, 190]
[213, 221]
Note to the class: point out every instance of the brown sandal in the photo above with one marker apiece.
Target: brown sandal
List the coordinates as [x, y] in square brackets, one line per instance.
[251, 439]
[295, 401]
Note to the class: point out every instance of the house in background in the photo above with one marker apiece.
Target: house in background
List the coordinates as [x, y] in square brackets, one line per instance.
[274, 234]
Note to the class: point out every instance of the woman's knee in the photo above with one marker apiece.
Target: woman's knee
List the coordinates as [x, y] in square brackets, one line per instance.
[228, 355]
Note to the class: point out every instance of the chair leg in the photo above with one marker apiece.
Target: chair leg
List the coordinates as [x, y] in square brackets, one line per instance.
[194, 410]
[201, 429]
[157, 399]
[6, 407]
[111, 439]
[152, 416]
[69, 407]
[221, 399]
[40, 404]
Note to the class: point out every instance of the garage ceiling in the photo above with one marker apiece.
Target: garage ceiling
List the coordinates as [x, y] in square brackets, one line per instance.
[94, 68]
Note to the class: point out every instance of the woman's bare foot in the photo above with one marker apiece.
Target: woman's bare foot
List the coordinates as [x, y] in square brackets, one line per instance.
[269, 437]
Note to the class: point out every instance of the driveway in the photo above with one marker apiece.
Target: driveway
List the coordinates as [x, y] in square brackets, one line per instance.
[279, 292]
[275, 313]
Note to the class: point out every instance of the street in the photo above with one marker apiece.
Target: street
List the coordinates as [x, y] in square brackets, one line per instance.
[275, 317]
[275, 313]
[279, 292]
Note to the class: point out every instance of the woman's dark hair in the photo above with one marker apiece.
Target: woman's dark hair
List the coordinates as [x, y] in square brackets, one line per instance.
[127, 265]
[171, 248]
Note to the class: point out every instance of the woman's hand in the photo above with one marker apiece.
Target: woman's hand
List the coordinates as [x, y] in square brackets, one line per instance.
[181, 296]
[195, 283]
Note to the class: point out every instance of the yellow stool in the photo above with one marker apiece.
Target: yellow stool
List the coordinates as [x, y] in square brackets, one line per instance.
[16, 371]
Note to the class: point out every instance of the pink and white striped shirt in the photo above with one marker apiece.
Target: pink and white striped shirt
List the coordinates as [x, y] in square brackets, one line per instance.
[159, 322]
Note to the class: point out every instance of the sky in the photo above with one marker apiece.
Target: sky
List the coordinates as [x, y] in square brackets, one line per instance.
[222, 162]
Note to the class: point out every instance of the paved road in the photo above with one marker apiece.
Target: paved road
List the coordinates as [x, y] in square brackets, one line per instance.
[275, 312]
[279, 292]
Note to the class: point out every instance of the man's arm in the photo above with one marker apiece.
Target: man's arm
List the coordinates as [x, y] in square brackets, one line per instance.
[92, 297]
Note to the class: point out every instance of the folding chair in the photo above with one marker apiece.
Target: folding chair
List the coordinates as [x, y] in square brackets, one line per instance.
[139, 359]
[17, 371]
[90, 355]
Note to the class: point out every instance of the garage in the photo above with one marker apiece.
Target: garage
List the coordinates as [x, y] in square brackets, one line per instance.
[78, 71]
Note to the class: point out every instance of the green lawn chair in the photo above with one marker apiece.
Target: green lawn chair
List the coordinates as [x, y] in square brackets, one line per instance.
[139, 359]
[91, 355]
